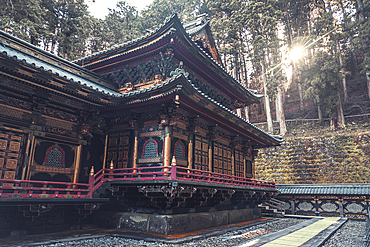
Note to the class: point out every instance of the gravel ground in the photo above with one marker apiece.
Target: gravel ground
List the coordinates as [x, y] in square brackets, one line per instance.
[352, 233]
[227, 239]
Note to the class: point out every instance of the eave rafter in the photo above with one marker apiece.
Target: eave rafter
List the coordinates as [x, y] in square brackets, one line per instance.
[178, 90]
[173, 34]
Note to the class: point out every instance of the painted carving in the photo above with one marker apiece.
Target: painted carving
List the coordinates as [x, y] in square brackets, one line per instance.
[305, 206]
[3, 144]
[11, 164]
[354, 208]
[329, 207]
[14, 146]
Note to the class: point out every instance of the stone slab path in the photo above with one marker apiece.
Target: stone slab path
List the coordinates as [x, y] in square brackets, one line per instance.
[310, 233]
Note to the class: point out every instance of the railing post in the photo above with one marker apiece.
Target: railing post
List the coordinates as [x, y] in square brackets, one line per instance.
[173, 168]
[111, 167]
[91, 181]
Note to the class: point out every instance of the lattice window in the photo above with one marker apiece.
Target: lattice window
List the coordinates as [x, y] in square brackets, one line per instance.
[179, 150]
[201, 153]
[150, 149]
[239, 163]
[55, 157]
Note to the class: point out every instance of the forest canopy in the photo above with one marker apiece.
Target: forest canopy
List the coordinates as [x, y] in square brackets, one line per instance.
[255, 39]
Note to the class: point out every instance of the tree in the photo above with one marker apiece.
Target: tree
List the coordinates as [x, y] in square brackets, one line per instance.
[122, 24]
[66, 21]
[156, 13]
[24, 19]
[262, 19]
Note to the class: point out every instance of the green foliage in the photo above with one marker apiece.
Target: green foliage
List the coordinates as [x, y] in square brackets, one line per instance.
[156, 13]
[321, 80]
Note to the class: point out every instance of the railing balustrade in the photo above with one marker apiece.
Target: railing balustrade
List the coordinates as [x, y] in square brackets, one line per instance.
[175, 173]
[10, 188]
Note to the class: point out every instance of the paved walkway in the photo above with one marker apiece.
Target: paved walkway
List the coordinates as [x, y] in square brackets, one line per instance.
[306, 234]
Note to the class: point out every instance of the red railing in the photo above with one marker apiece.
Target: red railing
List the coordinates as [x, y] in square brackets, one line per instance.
[175, 173]
[10, 188]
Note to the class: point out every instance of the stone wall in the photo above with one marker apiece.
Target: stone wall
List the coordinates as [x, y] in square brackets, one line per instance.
[322, 159]
[173, 224]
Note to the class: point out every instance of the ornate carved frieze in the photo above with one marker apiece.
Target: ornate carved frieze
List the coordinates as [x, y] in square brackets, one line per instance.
[153, 71]
[22, 104]
[10, 112]
[59, 114]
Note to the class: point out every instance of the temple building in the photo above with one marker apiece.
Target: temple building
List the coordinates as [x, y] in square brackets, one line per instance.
[163, 100]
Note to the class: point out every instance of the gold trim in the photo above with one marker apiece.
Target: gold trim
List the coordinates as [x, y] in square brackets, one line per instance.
[77, 163]
[245, 167]
[136, 146]
[210, 157]
[105, 151]
[190, 153]
[33, 147]
[167, 147]
[233, 162]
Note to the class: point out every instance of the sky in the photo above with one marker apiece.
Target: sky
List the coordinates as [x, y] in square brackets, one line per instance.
[99, 8]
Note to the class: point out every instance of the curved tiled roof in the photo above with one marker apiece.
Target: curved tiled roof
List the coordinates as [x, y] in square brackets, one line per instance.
[325, 189]
[180, 77]
[195, 45]
[49, 67]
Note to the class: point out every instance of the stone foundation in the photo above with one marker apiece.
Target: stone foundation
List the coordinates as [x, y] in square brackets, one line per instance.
[173, 224]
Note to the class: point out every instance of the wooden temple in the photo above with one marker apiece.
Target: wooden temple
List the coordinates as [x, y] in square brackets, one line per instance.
[132, 112]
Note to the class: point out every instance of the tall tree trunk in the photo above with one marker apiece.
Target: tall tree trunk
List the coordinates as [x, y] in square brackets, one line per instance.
[319, 111]
[368, 82]
[270, 127]
[277, 106]
[300, 96]
[332, 120]
[344, 82]
[360, 10]
[235, 66]
[239, 112]
[246, 113]
[341, 120]
[280, 116]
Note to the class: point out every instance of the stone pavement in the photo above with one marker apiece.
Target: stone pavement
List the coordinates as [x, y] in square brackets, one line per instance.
[310, 233]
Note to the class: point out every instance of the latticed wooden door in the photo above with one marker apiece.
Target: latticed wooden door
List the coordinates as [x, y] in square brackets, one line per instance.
[222, 159]
[239, 163]
[201, 153]
[118, 149]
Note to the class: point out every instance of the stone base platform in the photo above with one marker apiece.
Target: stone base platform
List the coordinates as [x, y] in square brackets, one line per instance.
[174, 224]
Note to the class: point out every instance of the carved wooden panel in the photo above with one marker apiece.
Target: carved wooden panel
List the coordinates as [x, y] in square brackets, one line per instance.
[53, 160]
[201, 153]
[11, 145]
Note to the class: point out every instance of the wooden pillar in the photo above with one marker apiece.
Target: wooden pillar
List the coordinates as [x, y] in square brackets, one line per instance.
[233, 161]
[190, 152]
[167, 146]
[31, 156]
[341, 212]
[292, 205]
[245, 166]
[105, 151]
[29, 148]
[210, 156]
[136, 148]
[77, 163]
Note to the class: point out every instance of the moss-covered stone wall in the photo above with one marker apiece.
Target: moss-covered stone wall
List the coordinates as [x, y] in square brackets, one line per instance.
[325, 159]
